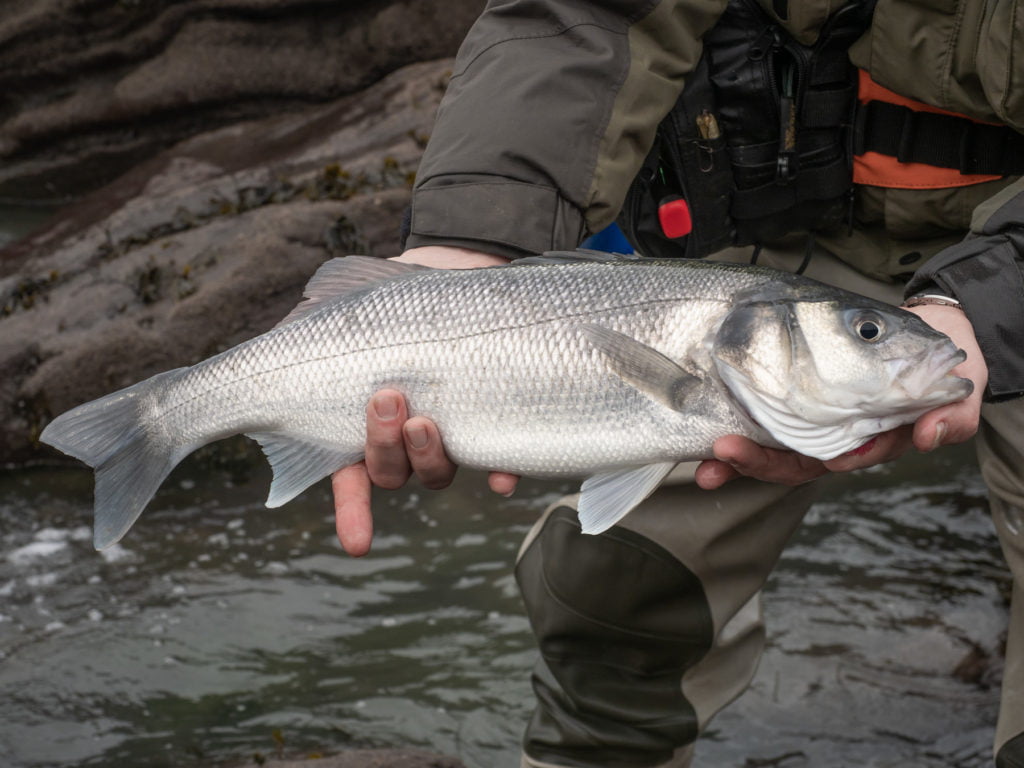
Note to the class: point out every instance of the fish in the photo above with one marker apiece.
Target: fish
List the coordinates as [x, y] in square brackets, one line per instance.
[606, 368]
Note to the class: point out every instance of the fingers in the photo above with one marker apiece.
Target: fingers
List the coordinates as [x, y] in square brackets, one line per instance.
[887, 446]
[948, 425]
[502, 483]
[426, 453]
[737, 456]
[397, 446]
[386, 460]
[352, 517]
[749, 459]
[712, 474]
[957, 422]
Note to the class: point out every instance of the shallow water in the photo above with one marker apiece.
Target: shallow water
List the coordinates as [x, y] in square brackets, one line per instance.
[219, 628]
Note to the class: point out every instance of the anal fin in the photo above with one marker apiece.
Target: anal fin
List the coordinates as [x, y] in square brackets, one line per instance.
[298, 463]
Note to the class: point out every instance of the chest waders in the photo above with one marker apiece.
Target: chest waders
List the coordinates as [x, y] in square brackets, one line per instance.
[650, 629]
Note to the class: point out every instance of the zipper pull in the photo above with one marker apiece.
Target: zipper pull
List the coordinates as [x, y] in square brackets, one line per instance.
[708, 130]
[785, 168]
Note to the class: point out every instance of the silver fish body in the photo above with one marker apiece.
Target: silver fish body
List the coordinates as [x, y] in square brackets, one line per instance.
[581, 366]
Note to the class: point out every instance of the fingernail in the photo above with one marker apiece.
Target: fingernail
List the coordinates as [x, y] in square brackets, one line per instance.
[940, 433]
[385, 407]
[417, 436]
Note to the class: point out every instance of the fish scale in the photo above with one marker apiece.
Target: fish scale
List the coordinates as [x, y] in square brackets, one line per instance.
[572, 365]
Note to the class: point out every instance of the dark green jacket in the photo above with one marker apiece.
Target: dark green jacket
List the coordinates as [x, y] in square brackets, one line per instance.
[553, 105]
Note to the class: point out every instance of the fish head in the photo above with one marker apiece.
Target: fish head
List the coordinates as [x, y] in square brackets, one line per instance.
[823, 374]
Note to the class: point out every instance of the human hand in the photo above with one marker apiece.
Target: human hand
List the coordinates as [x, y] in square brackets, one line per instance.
[398, 446]
[736, 456]
[449, 257]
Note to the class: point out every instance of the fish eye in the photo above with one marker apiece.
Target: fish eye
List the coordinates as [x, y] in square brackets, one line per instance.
[868, 328]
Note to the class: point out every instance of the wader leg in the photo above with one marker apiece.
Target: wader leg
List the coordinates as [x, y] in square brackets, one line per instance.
[1001, 454]
[648, 630]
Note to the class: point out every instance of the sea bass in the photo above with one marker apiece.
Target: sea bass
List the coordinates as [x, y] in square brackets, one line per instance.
[611, 369]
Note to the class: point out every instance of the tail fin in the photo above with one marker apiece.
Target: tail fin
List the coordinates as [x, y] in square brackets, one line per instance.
[131, 461]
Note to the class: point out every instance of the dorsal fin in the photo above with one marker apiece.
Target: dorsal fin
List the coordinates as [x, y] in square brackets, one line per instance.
[345, 274]
[580, 255]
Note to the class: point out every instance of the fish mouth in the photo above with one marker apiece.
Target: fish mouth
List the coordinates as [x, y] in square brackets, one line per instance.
[933, 379]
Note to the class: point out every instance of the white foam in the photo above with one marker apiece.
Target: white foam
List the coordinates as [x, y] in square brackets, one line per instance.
[52, 534]
[41, 580]
[37, 550]
[115, 553]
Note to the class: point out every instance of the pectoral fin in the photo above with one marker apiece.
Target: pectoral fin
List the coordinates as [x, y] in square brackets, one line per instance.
[607, 498]
[644, 367]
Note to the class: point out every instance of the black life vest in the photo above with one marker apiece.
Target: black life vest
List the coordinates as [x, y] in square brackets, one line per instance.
[763, 138]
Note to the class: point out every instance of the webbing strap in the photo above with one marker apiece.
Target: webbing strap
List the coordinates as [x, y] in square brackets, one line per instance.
[936, 139]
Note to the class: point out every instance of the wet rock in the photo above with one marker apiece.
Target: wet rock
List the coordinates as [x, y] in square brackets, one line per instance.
[89, 88]
[368, 758]
[203, 246]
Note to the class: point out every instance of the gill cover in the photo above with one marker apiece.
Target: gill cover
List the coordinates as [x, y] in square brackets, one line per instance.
[762, 355]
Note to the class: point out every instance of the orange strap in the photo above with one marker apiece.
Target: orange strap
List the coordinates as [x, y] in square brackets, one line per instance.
[878, 170]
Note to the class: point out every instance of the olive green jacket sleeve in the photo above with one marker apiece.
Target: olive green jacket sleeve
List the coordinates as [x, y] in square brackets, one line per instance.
[551, 109]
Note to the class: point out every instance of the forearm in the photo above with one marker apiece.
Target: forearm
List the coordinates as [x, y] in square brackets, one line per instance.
[985, 272]
[447, 257]
[550, 111]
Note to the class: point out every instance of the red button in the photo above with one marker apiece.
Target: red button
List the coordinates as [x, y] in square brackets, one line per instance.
[674, 217]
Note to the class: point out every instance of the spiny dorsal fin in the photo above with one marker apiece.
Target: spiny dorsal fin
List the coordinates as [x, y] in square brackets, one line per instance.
[580, 255]
[343, 275]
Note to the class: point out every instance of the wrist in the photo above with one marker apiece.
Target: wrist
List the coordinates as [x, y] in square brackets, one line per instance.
[450, 257]
[931, 299]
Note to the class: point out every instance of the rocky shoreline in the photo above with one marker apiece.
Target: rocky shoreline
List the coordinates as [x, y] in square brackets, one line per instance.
[91, 88]
[204, 245]
[210, 155]
[215, 152]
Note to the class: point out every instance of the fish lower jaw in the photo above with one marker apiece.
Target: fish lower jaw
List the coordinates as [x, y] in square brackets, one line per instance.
[918, 380]
[948, 389]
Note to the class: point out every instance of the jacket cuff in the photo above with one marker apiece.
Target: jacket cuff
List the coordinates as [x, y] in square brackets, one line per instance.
[508, 218]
